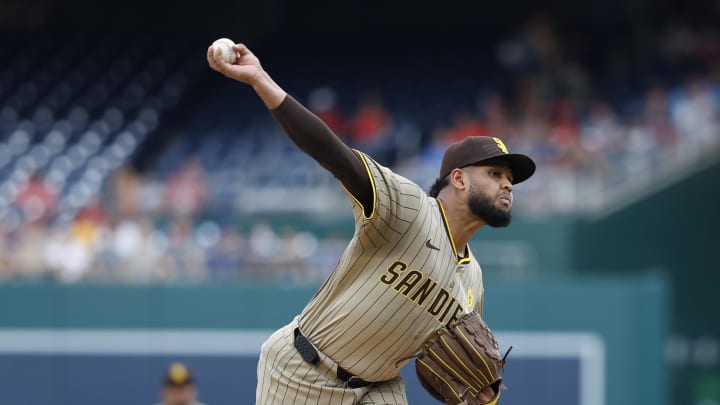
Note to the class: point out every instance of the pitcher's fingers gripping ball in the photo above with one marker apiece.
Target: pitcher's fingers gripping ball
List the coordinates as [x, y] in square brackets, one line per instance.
[241, 64]
[224, 49]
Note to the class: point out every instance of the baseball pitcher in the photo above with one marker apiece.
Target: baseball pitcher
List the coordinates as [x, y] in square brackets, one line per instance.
[406, 279]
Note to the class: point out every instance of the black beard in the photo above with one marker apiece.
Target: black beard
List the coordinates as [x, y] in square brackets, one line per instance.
[484, 209]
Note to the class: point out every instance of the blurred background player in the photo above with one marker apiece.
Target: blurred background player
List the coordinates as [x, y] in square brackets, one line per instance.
[179, 387]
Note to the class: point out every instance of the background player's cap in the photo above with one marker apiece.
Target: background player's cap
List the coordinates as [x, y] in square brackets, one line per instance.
[476, 149]
[178, 374]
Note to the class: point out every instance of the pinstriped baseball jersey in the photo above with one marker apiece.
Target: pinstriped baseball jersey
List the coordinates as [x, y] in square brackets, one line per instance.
[398, 280]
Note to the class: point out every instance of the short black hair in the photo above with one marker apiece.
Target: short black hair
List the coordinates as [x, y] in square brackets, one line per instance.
[441, 182]
[438, 185]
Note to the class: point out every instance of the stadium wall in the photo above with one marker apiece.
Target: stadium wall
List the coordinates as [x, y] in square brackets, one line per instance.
[625, 316]
[675, 231]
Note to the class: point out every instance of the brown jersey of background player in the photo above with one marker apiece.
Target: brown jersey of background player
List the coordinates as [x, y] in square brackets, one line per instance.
[407, 271]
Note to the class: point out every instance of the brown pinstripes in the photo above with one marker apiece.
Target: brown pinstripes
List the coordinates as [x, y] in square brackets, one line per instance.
[362, 322]
[365, 324]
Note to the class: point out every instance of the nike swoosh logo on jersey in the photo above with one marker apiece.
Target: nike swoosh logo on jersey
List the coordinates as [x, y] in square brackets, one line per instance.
[430, 245]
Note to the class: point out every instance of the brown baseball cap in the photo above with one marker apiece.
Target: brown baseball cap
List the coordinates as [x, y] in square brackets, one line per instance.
[477, 149]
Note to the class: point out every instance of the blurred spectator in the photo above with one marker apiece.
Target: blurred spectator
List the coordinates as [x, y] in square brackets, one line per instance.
[370, 126]
[185, 260]
[696, 115]
[133, 250]
[564, 134]
[126, 190]
[179, 387]
[564, 130]
[93, 212]
[150, 194]
[263, 245]
[323, 102]
[532, 111]
[639, 148]
[135, 193]
[657, 117]
[465, 124]
[69, 253]
[186, 190]
[431, 155]
[296, 249]
[497, 117]
[226, 260]
[26, 256]
[37, 199]
[601, 136]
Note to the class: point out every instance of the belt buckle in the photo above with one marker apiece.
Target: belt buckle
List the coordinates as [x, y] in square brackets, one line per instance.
[353, 382]
[356, 382]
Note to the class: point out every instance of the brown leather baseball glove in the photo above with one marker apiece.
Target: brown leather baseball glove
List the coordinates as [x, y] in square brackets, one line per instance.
[462, 363]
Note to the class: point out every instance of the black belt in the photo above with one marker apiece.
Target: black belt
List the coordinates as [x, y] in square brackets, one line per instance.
[310, 355]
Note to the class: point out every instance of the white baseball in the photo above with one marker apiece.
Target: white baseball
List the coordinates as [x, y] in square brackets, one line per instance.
[226, 48]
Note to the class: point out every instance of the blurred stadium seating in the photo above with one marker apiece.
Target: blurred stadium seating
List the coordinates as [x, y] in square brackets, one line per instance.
[93, 132]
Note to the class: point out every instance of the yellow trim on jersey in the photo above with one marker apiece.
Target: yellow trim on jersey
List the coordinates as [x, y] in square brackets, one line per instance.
[464, 260]
[372, 183]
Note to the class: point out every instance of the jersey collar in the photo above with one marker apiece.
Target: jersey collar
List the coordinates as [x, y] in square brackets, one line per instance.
[460, 260]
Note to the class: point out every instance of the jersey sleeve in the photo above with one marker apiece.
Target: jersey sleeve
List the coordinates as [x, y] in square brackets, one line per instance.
[396, 203]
